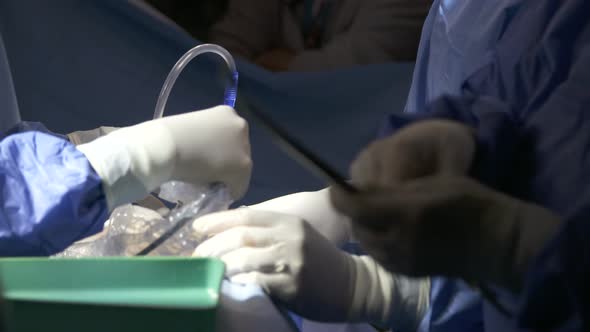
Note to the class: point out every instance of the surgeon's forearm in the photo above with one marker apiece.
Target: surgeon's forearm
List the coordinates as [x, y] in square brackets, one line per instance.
[315, 207]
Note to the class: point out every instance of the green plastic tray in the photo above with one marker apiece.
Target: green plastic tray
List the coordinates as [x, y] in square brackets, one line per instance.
[111, 294]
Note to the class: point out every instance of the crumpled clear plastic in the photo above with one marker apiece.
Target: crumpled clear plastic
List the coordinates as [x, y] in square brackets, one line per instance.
[132, 228]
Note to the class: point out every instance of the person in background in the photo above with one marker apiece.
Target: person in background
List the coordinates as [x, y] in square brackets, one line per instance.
[196, 17]
[314, 35]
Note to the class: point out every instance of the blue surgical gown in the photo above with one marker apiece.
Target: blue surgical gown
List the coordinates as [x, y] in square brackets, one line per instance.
[518, 72]
[50, 196]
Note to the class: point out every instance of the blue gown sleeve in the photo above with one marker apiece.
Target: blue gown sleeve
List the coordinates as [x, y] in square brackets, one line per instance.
[453, 307]
[50, 196]
[536, 146]
[557, 288]
[557, 284]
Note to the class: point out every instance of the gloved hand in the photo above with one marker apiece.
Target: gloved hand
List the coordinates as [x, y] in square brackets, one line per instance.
[315, 208]
[200, 147]
[303, 270]
[448, 225]
[421, 149]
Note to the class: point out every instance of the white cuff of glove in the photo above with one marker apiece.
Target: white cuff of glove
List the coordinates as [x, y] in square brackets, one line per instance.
[387, 300]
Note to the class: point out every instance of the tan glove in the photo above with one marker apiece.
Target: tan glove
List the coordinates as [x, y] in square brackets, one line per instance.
[420, 215]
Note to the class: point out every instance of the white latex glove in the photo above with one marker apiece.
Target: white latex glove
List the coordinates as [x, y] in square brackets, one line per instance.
[316, 208]
[199, 147]
[299, 267]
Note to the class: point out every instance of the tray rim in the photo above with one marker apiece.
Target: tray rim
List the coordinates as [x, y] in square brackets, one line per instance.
[216, 287]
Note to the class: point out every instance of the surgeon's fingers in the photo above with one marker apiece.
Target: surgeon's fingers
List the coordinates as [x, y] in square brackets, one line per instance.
[457, 162]
[270, 282]
[371, 204]
[363, 170]
[349, 204]
[385, 209]
[233, 239]
[455, 146]
[215, 223]
[386, 163]
[246, 260]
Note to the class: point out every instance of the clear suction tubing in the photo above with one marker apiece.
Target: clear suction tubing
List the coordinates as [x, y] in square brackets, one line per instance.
[175, 191]
[230, 90]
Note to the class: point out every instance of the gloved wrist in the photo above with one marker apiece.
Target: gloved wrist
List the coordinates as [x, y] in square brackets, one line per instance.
[86, 136]
[129, 163]
[385, 299]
